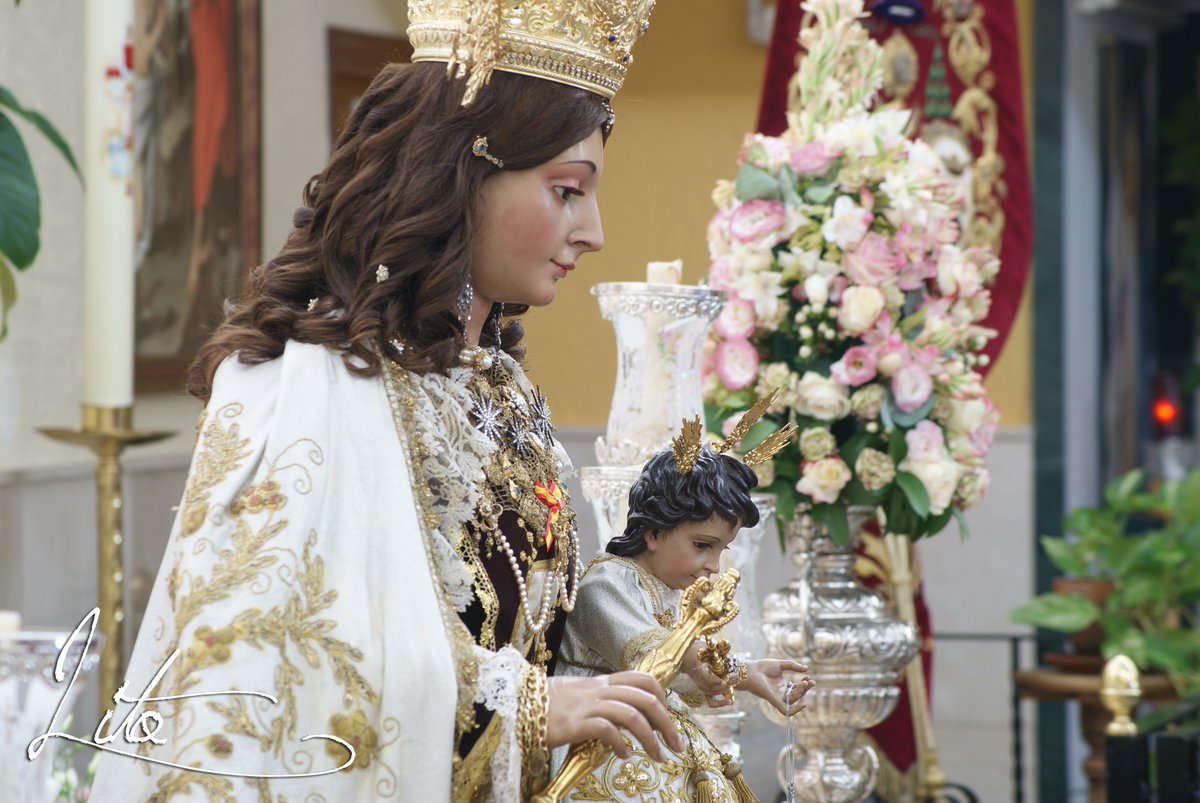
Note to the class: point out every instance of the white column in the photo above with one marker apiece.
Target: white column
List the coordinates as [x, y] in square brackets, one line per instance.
[108, 205]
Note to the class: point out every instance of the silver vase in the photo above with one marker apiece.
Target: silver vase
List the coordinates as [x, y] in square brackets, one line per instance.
[29, 695]
[745, 633]
[855, 652]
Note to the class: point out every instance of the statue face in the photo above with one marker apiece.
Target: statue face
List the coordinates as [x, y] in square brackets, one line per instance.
[536, 224]
[683, 555]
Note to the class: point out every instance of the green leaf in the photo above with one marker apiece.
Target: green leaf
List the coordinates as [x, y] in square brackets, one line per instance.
[964, 532]
[785, 502]
[907, 420]
[1187, 505]
[1166, 654]
[8, 294]
[787, 186]
[42, 124]
[757, 434]
[1118, 492]
[897, 447]
[754, 184]
[1065, 556]
[20, 205]
[914, 491]
[838, 524]
[885, 416]
[938, 523]
[819, 193]
[1065, 613]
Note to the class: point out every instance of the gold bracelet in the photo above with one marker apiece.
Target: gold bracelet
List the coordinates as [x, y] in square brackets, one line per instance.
[532, 722]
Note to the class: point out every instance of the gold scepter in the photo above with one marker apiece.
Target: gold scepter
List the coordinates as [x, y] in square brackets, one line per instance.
[707, 606]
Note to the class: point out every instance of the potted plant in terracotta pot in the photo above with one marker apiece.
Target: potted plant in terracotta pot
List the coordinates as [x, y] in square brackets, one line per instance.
[1136, 589]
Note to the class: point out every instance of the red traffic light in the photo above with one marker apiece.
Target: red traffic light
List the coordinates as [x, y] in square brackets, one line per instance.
[1166, 406]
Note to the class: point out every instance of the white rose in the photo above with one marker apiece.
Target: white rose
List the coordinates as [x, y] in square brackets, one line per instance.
[890, 363]
[755, 260]
[817, 290]
[967, 416]
[822, 398]
[847, 225]
[957, 275]
[823, 480]
[765, 473]
[861, 307]
[940, 477]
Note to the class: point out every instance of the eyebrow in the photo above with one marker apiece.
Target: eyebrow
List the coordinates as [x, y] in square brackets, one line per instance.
[587, 162]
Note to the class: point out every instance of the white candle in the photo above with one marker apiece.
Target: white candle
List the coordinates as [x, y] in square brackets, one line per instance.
[108, 205]
[10, 621]
[664, 272]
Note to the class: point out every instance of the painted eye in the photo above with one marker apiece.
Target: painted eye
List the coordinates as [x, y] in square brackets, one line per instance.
[566, 192]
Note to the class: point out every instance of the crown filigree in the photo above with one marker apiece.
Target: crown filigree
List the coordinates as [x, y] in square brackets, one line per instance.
[583, 43]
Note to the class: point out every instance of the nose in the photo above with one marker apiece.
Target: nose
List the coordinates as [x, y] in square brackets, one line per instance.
[712, 564]
[588, 234]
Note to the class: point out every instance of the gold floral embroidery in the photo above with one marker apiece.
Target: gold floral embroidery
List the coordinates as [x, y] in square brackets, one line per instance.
[294, 624]
[224, 450]
[210, 646]
[259, 497]
[358, 733]
[634, 777]
[219, 745]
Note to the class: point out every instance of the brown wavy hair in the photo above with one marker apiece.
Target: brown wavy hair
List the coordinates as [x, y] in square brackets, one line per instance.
[401, 189]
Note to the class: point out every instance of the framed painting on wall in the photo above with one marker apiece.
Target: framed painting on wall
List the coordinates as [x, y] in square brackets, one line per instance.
[196, 185]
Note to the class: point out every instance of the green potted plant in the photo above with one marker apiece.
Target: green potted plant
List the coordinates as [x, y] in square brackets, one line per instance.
[20, 201]
[1149, 579]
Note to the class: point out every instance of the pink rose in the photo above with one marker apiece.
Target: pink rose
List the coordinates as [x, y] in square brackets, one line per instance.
[720, 273]
[925, 442]
[911, 386]
[737, 364]
[812, 159]
[736, 321]
[856, 367]
[755, 220]
[872, 262]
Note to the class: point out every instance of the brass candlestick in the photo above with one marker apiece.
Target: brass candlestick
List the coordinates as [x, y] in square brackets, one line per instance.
[106, 431]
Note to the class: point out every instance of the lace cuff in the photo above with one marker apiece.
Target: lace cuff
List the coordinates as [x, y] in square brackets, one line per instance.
[499, 688]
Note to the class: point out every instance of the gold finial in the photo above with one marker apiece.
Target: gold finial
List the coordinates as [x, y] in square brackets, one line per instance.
[748, 419]
[1120, 691]
[687, 445]
[769, 447]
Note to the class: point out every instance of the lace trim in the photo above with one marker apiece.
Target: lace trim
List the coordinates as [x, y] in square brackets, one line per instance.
[498, 688]
[455, 454]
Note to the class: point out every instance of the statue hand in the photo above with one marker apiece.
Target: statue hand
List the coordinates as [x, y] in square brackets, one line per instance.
[599, 707]
[765, 678]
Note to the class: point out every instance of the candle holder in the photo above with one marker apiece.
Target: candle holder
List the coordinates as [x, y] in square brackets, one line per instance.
[107, 431]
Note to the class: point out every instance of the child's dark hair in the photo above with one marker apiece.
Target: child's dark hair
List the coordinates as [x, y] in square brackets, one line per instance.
[662, 498]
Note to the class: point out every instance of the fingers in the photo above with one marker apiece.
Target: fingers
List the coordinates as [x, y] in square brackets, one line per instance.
[626, 716]
[608, 733]
[792, 666]
[718, 700]
[632, 688]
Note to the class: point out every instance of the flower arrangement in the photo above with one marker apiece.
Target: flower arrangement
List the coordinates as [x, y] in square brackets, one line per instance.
[849, 292]
[64, 784]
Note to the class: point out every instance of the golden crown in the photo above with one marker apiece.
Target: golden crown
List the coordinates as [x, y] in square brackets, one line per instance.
[583, 43]
[686, 446]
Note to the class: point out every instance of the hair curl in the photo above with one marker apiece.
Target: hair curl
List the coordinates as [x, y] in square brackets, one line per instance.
[662, 498]
[401, 189]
